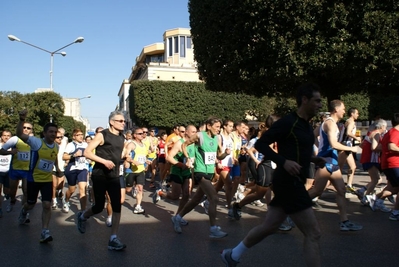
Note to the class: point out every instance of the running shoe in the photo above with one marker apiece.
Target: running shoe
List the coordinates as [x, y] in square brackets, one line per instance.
[176, 224]
[285, 227]
[217, 233]
[371, 200]
[183, 222]
[138, 210]
[108, 221]
[391, 199]
[116, 244]
[350, 189]
[205, 205]
[236, 211]
[80, 223]
[156, 197]
[226, 258]
[45, 237]
[379, 205]
[394, 217]
[257, 203]
[65, 206]
[350, 226]
[360, 193]
[364, 201]
[23, 217]
[290, 221]
[9, 207]
[54, 204]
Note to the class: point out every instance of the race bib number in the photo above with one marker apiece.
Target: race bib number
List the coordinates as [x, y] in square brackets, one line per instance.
[45, 165]
[121, 169]
[23, 156]
[210, 158]
[162, 151]
[80, 162]
[141, 159]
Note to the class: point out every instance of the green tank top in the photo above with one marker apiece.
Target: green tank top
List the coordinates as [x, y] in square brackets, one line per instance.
[205, 153]
[181, 158]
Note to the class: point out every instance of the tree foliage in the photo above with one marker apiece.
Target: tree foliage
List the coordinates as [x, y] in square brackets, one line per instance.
[42, 108]
[269, 46]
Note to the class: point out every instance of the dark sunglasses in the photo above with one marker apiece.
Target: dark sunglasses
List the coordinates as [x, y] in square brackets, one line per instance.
[29, 128]
[59, 137]
[139, 133]
[120, 121]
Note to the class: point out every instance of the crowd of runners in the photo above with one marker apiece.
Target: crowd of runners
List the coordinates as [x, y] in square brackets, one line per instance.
[284, 163]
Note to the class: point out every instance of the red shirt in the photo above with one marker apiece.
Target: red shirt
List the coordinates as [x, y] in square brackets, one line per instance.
[390, 159]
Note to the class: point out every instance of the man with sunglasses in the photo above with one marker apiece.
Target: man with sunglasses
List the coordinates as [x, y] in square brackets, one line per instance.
[19, 167]
[43, 158]
[109, 150]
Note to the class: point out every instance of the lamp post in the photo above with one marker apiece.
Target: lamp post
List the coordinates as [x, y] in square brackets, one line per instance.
[77, 40]
[71, 100]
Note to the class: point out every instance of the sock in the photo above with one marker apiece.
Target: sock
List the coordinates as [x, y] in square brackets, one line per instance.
[238, 251]
[178, 217]
[315, 199]
[44, 230]
[112, 237]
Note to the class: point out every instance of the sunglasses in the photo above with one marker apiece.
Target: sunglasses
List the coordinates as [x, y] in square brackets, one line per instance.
[139, 133]
[120, 121]
[59, 137]
[29, 128]
[145, 132]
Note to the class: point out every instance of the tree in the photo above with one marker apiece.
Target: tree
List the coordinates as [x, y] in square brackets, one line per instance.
[270, 46]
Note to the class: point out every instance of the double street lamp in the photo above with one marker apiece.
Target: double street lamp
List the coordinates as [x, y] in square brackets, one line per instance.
[77, 40]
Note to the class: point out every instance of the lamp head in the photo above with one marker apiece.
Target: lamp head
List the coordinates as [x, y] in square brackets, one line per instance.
[13, 38]
[63, 53]
[79, 40]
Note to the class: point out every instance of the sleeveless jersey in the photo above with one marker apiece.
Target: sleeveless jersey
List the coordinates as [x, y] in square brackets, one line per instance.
[368, 155]
[21, 160]
[236, 145]
[325, 149]
[110, 150]
[205, 153]
[152, 143]
[140, 155]
[227, 142]
[42, 163]
[181, 158]
[78, 163]
[161, 149]
[5, 162]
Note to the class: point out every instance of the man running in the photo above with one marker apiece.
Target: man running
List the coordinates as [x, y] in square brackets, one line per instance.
[294, 137]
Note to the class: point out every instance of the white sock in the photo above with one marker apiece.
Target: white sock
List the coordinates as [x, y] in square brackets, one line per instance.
[238, 251]
[214, 228]
[112, 237]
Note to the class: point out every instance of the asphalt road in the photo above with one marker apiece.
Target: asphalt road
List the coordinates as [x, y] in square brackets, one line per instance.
[151, 241]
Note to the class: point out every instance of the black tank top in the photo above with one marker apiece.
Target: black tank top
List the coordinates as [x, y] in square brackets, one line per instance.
[110, 150]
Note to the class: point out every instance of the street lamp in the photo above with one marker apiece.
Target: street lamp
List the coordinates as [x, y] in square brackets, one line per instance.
[77, 40]
[71, 100]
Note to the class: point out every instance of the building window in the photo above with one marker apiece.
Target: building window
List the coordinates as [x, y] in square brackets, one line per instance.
[170, 47]
[176, 44]
[182, 46]
[189, 42]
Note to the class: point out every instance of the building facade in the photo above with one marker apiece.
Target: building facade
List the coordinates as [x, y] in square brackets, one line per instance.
[171, 60]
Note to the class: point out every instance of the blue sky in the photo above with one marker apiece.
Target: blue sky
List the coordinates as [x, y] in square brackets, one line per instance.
[114, 31]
